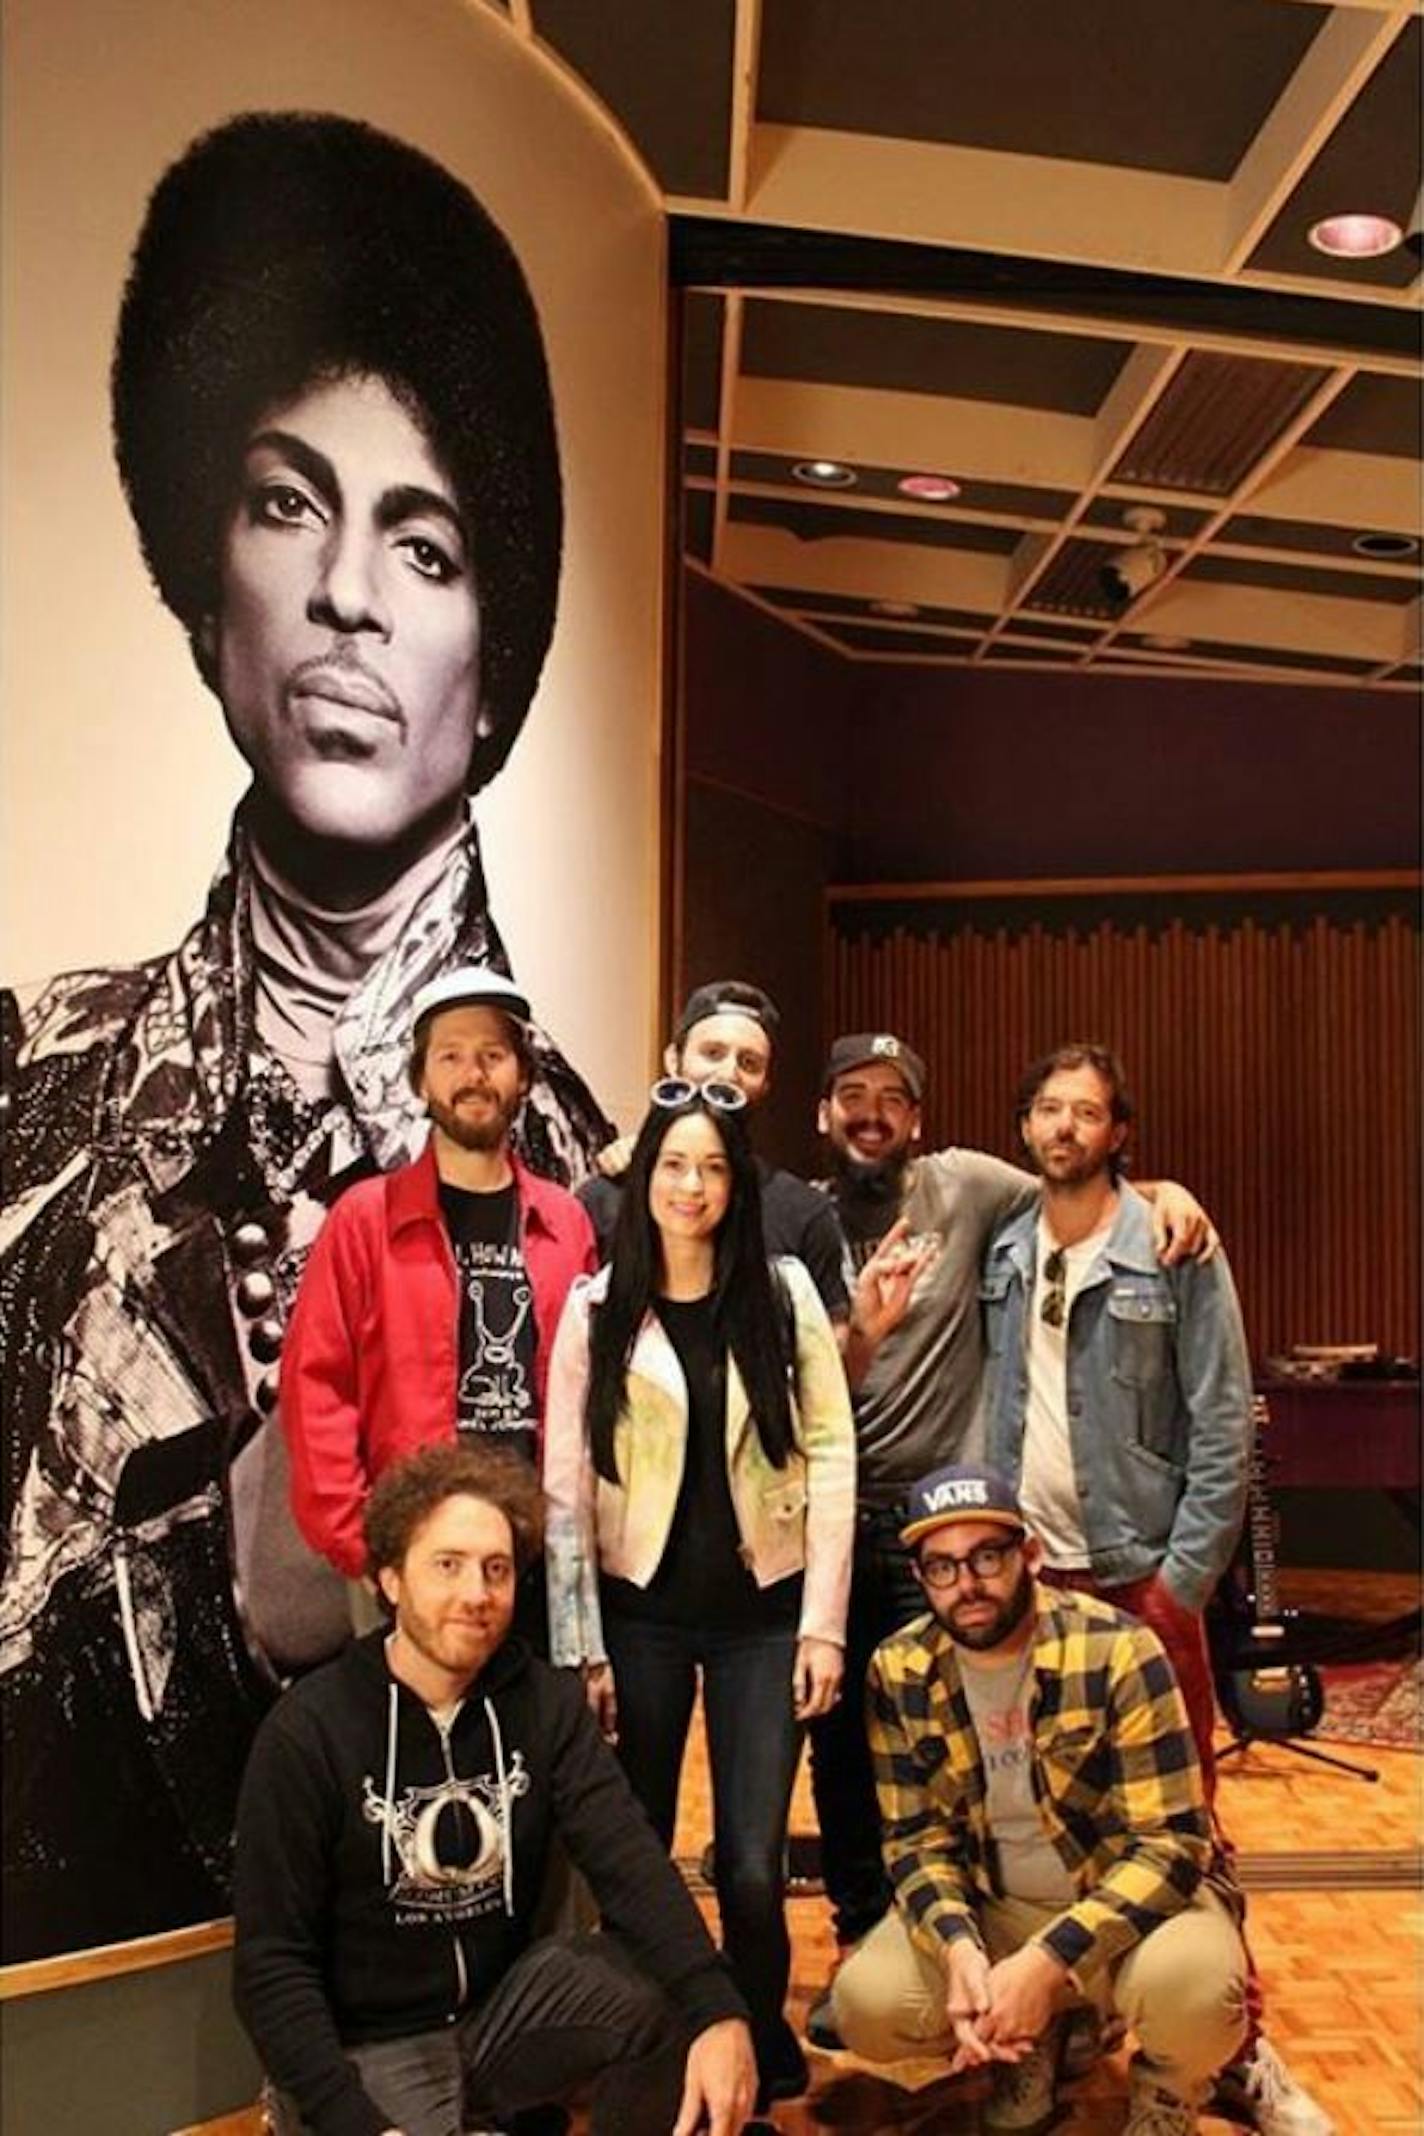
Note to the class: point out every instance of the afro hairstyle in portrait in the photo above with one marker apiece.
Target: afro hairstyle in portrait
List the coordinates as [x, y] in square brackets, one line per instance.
[287, 248]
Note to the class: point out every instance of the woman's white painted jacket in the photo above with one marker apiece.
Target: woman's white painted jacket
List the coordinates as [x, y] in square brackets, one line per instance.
[792, 1519]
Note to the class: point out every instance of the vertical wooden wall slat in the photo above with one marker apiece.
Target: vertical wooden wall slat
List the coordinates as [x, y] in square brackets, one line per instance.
[1275, 1063]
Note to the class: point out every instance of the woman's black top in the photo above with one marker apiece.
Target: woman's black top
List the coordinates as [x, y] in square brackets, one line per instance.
[701, 1581]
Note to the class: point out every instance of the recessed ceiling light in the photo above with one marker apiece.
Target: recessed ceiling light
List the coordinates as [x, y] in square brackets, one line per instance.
[1356, 237]
[930, 489]
[1163, 642]
[824, 474]
[1384, 548]
[895, 608]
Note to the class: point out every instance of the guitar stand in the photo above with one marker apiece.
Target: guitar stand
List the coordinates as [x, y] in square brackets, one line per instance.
[1243, 1742]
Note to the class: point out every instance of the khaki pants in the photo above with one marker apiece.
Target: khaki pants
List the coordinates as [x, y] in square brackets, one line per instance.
[1182, 1990]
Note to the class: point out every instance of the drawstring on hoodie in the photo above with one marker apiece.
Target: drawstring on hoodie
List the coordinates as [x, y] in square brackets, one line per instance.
[506, 1814]
[506, 1806]
[388, 1821]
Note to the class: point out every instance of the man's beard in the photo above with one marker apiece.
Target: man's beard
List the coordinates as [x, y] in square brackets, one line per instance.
[460, 1645]
[489, 1133]
[867, 1194]
[1080, 1169]
[993, 1631]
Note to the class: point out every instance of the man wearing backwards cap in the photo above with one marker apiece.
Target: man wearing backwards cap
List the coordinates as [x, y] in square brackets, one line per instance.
[1045, 1831]
[919, 1227]
[432, 1294]
[727, 1033]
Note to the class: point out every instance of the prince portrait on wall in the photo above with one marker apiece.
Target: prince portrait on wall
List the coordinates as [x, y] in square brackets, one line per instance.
[334, 428]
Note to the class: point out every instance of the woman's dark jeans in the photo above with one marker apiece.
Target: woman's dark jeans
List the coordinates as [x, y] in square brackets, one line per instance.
[753, 1743]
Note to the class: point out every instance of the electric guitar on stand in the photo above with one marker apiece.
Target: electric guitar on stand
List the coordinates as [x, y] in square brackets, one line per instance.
[1266, 1690]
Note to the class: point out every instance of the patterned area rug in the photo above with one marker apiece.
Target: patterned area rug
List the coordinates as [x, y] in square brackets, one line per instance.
[1376, 1702]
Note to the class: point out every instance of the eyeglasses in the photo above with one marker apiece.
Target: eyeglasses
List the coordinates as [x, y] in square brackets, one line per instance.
[1054, 1304]
[984, 1561]
[670, 1091]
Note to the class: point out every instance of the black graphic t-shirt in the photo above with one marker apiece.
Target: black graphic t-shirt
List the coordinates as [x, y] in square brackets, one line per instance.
[498, 1334]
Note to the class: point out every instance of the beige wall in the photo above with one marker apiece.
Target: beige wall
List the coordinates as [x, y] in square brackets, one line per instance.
[117, 776]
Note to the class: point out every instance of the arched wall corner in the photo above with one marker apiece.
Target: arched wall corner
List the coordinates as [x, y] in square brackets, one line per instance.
[184, 1114]
[118, 776]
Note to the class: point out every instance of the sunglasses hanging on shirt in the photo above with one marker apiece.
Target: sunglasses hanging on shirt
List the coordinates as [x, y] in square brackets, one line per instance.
[1053, 1305]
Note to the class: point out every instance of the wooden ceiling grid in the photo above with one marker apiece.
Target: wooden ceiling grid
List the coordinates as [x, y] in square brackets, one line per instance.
[903, 234]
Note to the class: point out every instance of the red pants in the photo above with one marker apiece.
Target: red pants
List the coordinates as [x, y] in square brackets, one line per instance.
[1183, 1635]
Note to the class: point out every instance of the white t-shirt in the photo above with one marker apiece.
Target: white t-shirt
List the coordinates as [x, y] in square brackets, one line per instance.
[1048, 1491]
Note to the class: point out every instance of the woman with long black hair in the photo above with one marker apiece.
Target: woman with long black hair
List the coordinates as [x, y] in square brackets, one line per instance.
[699, 1464]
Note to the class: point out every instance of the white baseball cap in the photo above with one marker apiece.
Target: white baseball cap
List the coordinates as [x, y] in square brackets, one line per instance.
[470, 986]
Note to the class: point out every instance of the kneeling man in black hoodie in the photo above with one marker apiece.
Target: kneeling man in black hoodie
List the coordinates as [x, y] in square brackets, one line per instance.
[395, 1821]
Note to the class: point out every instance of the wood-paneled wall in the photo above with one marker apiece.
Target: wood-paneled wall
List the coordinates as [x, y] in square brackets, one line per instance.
[1273, 1056]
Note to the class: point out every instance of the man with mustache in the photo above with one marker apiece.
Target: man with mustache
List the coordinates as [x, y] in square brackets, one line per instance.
[430, 1301]
[1117, 1391]
[334, 427]
[1046, 1832]
[918, 1225]
[397, 1821]
[1118, 1402]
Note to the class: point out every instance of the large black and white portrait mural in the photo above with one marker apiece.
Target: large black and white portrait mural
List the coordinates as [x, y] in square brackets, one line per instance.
[335, 432]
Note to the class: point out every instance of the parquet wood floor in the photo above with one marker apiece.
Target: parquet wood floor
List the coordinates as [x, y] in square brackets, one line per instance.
[1343, 1968]
[1373, 1597]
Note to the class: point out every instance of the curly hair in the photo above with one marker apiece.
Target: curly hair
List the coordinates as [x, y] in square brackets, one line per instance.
[410, 1490]
[287, 248]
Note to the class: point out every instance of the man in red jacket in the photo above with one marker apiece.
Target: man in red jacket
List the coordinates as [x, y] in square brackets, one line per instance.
[429, 1304]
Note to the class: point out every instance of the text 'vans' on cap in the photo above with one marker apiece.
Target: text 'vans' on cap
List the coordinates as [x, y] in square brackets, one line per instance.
[960, 1492]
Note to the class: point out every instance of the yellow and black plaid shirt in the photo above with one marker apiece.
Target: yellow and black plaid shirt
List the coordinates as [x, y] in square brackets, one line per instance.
[1114, 1771]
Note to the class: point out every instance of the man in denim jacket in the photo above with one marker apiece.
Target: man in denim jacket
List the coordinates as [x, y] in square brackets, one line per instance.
[1117, 1400]
[1118, 1389]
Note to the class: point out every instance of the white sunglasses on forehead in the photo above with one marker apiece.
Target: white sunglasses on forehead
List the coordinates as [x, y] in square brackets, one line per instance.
[670, 1091]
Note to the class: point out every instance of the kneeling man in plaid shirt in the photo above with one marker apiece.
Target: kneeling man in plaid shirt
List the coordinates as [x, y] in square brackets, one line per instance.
[1044, 1829]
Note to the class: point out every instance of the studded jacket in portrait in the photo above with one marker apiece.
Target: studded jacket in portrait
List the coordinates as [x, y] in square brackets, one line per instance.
[164, 1180]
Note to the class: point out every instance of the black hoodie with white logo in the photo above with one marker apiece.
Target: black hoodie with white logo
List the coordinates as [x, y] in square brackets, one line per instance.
[389, 1862]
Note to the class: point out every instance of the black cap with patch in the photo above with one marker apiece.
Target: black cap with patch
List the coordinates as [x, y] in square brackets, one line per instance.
[863, 1049]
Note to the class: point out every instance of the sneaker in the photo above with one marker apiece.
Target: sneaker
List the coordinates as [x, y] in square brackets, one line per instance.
[1154, 2112]
[1261, 2091]
[1023, 2097]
